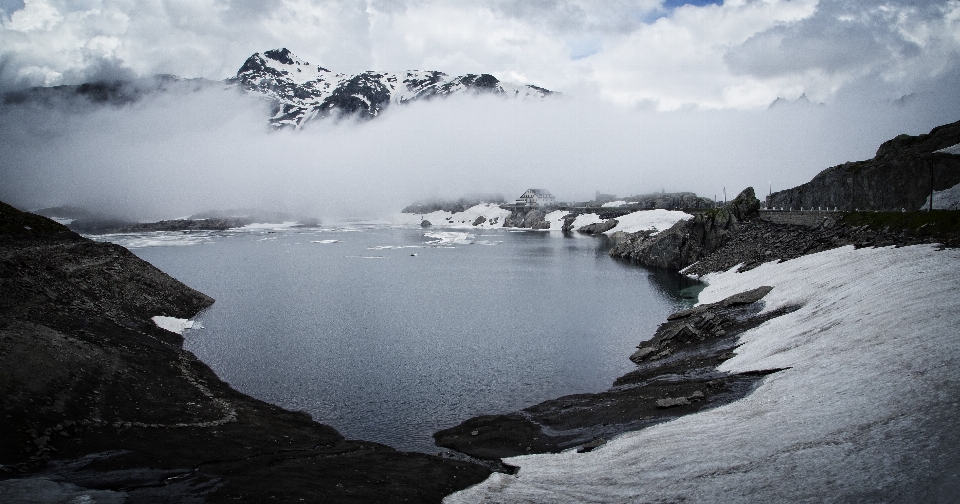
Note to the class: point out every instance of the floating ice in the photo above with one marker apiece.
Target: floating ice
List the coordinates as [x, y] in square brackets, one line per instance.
[156, 238]
[448, 238]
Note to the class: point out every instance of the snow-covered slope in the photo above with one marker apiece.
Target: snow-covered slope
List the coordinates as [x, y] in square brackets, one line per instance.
[304, 91]
[494, 217]
[865, 410]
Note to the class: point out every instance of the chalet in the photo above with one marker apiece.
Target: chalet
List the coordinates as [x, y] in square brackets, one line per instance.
[536, 197]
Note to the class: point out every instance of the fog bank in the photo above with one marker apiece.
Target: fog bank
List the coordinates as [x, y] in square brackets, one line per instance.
[178, 153]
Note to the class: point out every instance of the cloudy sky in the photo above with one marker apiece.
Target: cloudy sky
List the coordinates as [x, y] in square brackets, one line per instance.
[695, 70]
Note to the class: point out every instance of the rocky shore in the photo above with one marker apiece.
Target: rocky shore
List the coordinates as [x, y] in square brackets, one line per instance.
[677, 369]
[676, 375]
[100, 404]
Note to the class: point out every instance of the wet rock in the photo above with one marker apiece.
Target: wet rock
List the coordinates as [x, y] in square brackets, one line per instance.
[669, 402]
[589, 447]
[598, 227]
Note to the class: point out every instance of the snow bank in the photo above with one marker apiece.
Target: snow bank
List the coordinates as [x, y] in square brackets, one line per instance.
[640, 220]
[866, 411]
[947, 199]
[493, 214]
[649, 219]
[173, 324]
[953, 149]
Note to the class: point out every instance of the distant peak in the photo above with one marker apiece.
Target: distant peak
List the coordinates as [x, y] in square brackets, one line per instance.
[282, 55]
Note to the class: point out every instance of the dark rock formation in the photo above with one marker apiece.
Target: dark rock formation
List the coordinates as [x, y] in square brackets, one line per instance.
[669, 201]
[900, 176]
[598, 227]
[524, 218]
[453, 206]
[94, 394]
[691, 240]
[182, 225]
[759, 240]
[676, 375]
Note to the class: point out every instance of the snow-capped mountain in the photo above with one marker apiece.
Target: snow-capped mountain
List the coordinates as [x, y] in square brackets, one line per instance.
[303, 91]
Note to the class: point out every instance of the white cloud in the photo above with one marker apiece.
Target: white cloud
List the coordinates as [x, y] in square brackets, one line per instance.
[741, 54]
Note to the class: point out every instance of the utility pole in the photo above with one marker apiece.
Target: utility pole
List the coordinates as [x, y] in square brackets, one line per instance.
[724, 195]
[931, 188]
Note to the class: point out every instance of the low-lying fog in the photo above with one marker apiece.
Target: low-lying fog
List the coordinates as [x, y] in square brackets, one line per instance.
[176, 154]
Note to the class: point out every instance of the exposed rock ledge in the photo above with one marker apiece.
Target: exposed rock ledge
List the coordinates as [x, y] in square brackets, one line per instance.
[95, 396]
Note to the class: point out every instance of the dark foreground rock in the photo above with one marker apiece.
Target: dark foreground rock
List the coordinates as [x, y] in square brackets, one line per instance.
[676, 375]
[99, 402]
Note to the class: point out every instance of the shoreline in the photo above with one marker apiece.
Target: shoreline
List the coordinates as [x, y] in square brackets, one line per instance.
[99, 401]
[863, 375]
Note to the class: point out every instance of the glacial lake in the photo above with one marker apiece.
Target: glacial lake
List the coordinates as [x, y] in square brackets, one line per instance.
[390, 334]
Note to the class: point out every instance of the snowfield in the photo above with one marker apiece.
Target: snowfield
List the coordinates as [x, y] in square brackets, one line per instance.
[865, 411]
[494, 215]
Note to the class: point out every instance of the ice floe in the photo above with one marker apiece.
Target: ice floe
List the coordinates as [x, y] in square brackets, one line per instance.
[864, 410]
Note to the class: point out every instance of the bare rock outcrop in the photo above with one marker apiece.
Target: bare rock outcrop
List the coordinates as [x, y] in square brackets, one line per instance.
[691, 240]
[901, 176]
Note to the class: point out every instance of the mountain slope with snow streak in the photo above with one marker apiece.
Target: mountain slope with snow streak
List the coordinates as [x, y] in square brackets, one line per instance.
[303, 91]
[864, 411]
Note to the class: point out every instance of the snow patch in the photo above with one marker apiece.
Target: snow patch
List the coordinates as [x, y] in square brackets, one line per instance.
[644, 220]
[947, 199]
[614, 204]
[953, 149]
[865, 409]
[173, 324]
[492, 213]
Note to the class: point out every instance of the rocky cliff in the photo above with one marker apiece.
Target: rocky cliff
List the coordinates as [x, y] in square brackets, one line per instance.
[691, 240]
[100, 404]
[900, 176]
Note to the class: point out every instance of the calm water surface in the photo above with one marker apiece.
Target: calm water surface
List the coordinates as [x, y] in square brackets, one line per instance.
[390, 334]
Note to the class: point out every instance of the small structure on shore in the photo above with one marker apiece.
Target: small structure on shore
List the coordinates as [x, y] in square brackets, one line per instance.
[536, 198]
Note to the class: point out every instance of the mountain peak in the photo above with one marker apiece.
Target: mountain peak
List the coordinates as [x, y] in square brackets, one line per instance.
[302, 92]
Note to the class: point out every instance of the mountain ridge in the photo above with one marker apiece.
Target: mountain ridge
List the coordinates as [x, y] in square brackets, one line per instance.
[302, 91]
